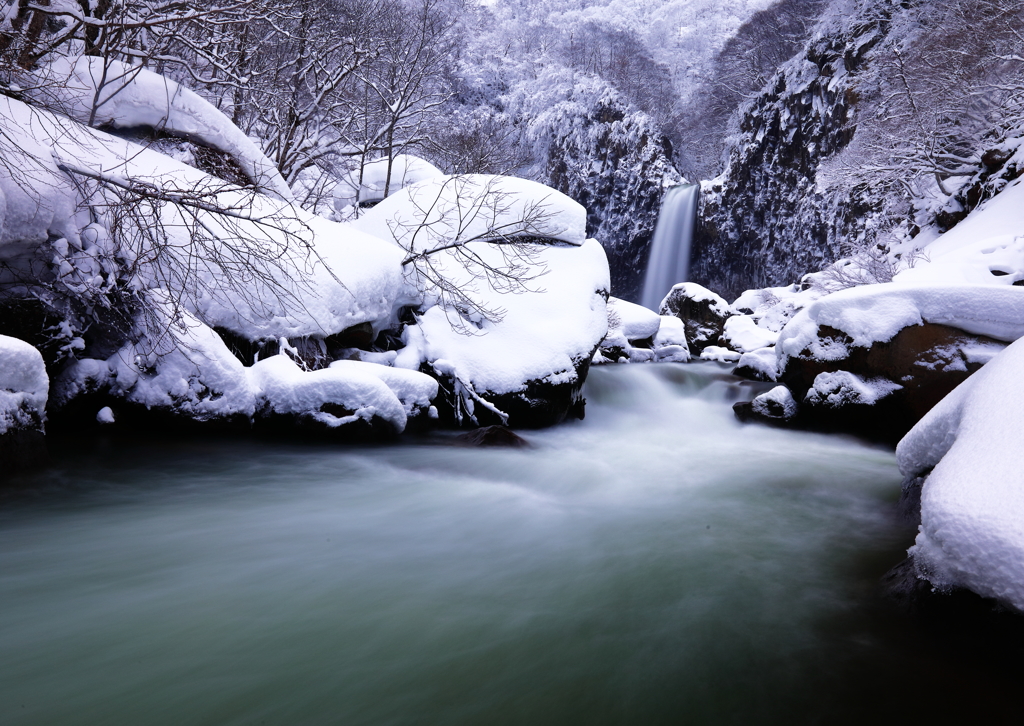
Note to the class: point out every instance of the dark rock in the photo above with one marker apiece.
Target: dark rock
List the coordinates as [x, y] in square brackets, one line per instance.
[703, 314]
[537, 405]
[493, 436]
[927, 361]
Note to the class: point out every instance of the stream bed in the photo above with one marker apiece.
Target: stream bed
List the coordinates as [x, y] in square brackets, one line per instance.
[657, 563]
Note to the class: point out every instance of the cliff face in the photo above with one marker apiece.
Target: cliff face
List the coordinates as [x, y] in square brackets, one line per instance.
[765, 221]
[613, 160]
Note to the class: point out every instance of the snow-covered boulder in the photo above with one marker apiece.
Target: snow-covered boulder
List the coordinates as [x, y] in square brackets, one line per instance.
[101, 92]
[368, 186]
[670, 344]
[758, 365]
[24, 387]
[351, 397]
[972, 499]
[874, 359]
[744, 335]
[631, 332]
[454, 209]
[703, 314]
[508, 329]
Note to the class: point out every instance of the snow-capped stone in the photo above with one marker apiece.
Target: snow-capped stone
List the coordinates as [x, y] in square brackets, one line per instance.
[841, 388]
[758, 365]
[777, 403]
[703, 313]
[635, 321]
[717, 353]
[330, 398]
[464, 208]
[24, 387]
[743, 334]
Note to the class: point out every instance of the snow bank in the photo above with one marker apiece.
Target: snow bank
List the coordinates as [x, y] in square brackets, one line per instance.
[447, 209]
[36, 199]
[24, 386]
[875, 313]
[986, 248]
[406, 170]
[972, 503]
[413, 389]
[103, 92]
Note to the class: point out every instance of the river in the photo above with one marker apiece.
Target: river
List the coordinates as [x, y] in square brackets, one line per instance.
[657, 563]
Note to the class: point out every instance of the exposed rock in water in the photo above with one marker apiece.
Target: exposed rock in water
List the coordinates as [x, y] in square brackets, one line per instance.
[493, 436]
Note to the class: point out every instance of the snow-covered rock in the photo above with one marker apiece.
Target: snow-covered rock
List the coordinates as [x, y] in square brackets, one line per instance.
[719, 354]
[670, 344]
[635, 321]
[972, 501]
[777, 403]
[24, 387]
[516, 342]
[337, 397]
[743, 334]
[101, 92]
[703, 313]
[406, 170]
[758, 365]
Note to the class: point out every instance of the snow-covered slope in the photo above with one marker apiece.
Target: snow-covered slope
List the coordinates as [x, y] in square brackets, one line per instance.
[972, 502]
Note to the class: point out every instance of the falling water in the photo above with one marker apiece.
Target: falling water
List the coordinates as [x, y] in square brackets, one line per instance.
[669, 261]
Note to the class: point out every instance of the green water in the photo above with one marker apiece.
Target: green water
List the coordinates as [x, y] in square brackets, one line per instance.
[655, 564]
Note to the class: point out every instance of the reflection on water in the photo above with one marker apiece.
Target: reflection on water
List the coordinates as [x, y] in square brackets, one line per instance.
[656, 563]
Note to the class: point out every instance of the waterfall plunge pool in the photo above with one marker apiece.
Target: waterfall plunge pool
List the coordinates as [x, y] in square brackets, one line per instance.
[657, 563]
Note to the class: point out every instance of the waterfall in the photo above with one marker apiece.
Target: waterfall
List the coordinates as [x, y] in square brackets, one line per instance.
[669, 260]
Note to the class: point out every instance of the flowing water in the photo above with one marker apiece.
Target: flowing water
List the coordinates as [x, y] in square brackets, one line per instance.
[656, 563]
[669, 259]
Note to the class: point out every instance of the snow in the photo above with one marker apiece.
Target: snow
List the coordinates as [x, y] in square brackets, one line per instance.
[842, 388]
[104, 92]
[316, 277]
[744, 335]
[972, 503]
[492, 333]
[722, 355]
[284, 388]
[179, 364]
[406, 170]
[105, 415]
[447, 209]
[697, 293]
[24, 386]
[635, 321]
[990, 240]
[875, 313]
[671, 331]
[415, 390]
[544, 333]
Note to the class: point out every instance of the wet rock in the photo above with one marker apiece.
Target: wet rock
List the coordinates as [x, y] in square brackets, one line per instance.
[703, 314]
[493, 436]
